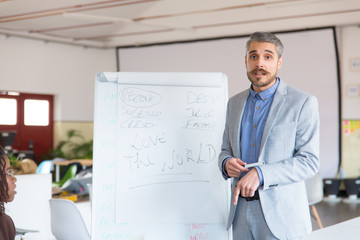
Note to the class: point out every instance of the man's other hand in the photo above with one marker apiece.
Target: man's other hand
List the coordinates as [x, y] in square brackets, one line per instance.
[234, 167]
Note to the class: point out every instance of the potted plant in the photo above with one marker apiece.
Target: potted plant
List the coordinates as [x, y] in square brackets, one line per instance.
[74, 147]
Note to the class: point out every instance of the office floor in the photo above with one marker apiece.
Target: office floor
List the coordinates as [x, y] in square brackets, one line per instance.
[333, 213]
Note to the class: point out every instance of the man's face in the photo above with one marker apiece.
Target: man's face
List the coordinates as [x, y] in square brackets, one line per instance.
[262, 64]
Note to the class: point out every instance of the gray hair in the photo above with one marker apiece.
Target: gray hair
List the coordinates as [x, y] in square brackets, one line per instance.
[266, 37]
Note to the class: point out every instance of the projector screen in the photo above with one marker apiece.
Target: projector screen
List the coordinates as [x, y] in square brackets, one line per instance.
[309, 64]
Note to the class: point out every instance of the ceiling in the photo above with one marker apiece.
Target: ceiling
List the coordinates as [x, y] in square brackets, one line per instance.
[114, 23]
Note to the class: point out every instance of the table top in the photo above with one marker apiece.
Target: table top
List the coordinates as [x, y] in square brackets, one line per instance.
[84, 162]
[346, 230]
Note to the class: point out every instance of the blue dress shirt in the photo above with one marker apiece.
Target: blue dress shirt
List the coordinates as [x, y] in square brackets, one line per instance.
[252, 125]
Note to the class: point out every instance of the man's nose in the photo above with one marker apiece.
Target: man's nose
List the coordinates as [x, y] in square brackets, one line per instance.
[259, 63]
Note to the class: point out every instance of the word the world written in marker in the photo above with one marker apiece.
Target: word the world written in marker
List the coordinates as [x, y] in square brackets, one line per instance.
[203, 154]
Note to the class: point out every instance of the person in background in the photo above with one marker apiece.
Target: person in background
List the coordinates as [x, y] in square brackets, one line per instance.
[275, 129]
[7, 194]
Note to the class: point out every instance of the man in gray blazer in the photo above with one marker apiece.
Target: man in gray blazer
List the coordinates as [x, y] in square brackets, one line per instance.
[270, 146]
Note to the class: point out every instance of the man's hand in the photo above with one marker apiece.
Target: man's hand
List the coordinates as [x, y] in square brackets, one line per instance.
[247, 185]
[234, 167]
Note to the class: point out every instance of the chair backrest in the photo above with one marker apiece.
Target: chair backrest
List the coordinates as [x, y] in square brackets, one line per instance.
[66, 221]
[44, 167]
[314, 189]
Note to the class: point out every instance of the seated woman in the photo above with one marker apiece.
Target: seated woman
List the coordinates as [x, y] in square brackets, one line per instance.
[7, 193]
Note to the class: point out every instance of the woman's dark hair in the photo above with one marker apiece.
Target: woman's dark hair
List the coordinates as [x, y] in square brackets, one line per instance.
[3, 182]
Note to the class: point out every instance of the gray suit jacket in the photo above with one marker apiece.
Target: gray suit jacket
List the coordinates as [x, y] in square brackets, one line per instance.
[289, 148]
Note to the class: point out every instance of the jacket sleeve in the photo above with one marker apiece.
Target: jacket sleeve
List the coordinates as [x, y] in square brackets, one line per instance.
[292, 150]
[226, 151]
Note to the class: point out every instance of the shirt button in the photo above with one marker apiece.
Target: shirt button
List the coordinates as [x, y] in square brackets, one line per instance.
[252, 145]
[255, 126]
[265, 98]
[257, 107]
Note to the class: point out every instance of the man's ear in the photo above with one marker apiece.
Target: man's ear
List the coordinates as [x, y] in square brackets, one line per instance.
[279, 62]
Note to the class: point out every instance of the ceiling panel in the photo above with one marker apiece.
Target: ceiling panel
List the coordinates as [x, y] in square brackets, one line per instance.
[115, 23]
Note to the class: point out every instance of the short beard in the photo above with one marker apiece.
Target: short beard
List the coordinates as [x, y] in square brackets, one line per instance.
[261, 84]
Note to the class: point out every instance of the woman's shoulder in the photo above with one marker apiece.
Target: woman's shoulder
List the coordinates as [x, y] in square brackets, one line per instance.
[7, 227]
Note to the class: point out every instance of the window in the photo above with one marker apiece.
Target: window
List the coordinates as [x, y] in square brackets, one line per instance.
[36, 112]
[8, 108]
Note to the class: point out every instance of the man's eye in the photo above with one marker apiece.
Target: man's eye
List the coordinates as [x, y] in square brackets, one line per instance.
[253, 57]
[268, 57]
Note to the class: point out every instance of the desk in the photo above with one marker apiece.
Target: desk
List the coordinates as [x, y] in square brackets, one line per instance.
[346, 230]
[84, 162]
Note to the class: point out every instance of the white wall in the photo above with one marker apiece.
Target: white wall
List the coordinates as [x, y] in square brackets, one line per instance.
[349, 48]
[67, 71]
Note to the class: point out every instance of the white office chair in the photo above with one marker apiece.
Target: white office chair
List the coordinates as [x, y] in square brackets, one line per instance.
[315, 194]
[22, 232]
[44, 167]
[66, 221]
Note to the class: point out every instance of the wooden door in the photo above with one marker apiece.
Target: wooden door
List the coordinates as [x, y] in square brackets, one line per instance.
[31, 131]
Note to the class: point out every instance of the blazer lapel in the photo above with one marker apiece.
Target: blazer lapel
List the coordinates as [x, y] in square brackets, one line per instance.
[240, 106]
[276, 105]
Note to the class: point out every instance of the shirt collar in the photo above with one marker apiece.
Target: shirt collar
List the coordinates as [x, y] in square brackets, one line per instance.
[268, 93]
